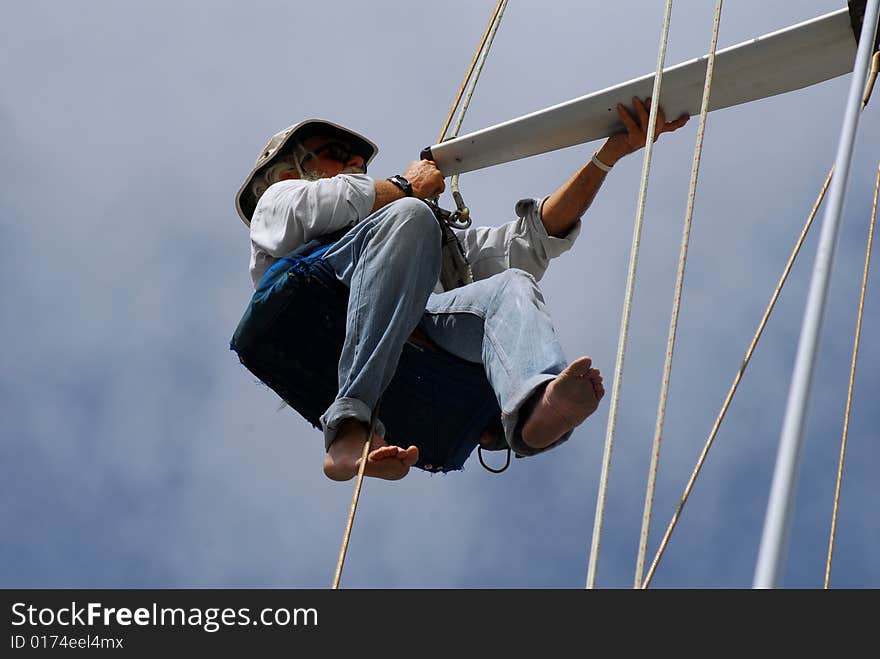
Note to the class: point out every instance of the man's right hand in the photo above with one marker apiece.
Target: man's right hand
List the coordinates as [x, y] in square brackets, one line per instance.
[426, 180]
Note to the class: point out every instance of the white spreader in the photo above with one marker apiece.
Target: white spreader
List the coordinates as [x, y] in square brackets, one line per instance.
[793, 58]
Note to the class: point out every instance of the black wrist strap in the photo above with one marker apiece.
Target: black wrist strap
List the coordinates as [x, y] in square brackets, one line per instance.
[402, 183]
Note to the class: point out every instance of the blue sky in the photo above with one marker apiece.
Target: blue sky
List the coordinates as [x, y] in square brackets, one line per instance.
[138, 452]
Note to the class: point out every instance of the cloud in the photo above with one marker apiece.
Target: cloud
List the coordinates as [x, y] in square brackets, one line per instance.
[138, 452]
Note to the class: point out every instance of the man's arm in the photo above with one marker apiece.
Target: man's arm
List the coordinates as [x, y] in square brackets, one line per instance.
[564, 207]
[423, 175]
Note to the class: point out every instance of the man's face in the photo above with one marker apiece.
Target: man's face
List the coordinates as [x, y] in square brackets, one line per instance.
[329, 156]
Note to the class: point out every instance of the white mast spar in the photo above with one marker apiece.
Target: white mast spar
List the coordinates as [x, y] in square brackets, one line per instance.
[801, 55]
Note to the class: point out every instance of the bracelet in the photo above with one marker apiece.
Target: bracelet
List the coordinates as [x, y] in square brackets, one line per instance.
[601, 165]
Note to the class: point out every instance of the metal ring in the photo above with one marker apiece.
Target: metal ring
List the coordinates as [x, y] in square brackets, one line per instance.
[487, 467]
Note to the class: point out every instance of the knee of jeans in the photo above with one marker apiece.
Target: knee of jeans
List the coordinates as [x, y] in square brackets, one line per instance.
[416, 222]
[519, 281]
[518, 287]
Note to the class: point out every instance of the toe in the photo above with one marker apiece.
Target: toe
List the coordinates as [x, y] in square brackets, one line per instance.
[383, 453]
[580, 367]
[409, 456]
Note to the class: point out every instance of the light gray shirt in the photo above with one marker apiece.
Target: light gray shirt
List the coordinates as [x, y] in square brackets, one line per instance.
[292, 212]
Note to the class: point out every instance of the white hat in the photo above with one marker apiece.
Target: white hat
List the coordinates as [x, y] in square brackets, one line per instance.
[246, 202]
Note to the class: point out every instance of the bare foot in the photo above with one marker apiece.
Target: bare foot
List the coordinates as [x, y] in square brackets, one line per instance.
[383, 461]
[389, 462]
[565, 403]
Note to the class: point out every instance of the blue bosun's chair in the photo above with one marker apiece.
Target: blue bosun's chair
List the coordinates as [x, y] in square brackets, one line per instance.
[291, 336]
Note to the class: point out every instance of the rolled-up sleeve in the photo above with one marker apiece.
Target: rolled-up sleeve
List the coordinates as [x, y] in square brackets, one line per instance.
[521, 243]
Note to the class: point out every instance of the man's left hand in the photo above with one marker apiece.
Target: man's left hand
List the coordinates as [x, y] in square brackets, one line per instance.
[636, 123]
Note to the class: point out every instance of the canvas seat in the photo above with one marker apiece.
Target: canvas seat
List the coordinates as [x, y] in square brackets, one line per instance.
[291, 336]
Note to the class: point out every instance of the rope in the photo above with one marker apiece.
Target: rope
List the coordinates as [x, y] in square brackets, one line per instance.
[473, 75]
[456, 192]
[872, 77]
[481, 53]
[663, 544]
[354, 499]
[852, 377]
[738, 377]
[495, 13]
[627, 304]
[673, 323]
[477, 61]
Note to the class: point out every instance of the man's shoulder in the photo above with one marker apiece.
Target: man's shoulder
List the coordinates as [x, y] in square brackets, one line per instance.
[286, 185]
[289, 186]
[277, 193]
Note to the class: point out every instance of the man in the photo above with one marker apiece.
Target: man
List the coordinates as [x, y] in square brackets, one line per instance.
[310, 180]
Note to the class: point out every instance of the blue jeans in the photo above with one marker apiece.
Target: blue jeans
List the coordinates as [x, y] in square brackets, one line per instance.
[390, 263]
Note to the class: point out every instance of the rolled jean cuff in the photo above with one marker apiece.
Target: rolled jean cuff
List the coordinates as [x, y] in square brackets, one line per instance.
[342, 409]
[510, 419]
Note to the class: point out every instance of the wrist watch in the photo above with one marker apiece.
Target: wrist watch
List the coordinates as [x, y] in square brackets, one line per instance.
[402, 183]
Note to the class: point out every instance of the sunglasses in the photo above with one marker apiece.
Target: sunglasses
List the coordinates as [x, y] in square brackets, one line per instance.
[336, 151]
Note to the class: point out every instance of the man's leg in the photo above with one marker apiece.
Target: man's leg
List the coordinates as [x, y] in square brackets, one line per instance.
[390, 263]
[502, 323]
[564, 404]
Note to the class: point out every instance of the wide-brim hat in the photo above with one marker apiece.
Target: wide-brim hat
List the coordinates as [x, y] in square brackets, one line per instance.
[246, 201]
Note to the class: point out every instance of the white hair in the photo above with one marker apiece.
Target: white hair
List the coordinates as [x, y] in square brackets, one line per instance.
[286, 163]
